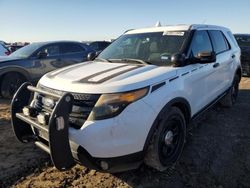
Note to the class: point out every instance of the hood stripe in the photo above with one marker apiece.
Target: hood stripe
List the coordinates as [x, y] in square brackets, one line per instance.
[87, 79]
[117, 74]
[104, 75]
[67, 69]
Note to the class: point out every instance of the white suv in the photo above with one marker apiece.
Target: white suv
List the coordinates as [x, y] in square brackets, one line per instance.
[134, 101]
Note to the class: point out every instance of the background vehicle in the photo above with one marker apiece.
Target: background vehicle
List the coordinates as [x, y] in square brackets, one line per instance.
[33, 61]
[13, 48]
[99, 45]
[16, 45]
[3, 43]
[3, 50]
[135, 101]
[244, 43]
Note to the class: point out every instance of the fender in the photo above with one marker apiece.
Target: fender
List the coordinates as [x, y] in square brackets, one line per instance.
[22, 71]
[179, 102]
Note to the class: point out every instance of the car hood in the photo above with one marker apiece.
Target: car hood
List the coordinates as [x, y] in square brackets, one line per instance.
[4, 59]
[102, 77]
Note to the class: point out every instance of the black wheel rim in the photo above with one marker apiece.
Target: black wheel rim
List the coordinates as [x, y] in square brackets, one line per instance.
[171, 141]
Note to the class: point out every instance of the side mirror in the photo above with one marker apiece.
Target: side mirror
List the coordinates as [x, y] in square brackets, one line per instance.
[178, 59]
[41, 55]
[91, 56]
[205, 57]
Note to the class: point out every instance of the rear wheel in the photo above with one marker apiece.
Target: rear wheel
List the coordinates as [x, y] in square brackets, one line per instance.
[230, 98]
[10, 83]
[168, 140]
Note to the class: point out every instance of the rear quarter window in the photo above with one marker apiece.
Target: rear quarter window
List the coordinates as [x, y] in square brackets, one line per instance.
[231, 36]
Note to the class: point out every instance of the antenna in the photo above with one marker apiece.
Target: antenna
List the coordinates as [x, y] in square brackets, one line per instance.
[158, 24]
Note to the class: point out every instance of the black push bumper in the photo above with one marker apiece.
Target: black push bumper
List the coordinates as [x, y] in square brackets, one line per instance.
[53, 137]
[56, 129]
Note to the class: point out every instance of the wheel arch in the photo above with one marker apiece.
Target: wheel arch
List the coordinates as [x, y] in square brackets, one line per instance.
[178, 102]
[238, 72]
[17, 70]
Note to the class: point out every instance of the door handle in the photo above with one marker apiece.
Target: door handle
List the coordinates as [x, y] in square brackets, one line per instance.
[216, 65]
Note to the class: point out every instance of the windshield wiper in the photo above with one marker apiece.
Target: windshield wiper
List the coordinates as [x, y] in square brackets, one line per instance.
[131, 60]
[102, 59]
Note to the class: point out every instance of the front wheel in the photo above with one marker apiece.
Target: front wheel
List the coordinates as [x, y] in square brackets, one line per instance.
[167, 143]
[11, 82]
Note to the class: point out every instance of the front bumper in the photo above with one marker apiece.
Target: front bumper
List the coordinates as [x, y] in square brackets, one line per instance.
[55, 137]
[56, 129]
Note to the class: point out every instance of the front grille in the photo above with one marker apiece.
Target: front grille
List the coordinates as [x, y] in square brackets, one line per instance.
[82, 105]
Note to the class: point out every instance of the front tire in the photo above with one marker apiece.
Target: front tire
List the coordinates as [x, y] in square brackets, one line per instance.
[168, 140]
[11, 82]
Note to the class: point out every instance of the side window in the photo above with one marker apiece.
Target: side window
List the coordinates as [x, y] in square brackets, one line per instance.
[220, 44]
[94, 46]
[51, 50]
[200, 43]
[71, 48]
[104, 45]
[232, 38]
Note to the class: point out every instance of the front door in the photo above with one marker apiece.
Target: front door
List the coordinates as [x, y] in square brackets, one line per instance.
[203, 78]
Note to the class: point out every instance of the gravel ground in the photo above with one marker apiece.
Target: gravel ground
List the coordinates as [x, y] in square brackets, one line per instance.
[217, 154]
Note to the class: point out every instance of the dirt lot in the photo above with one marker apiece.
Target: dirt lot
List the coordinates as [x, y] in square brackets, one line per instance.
[217, 154]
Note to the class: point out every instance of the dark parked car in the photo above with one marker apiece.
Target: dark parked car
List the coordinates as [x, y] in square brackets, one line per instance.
[244, 43]
[14, 48]
[32, 61]
[99, 45]
[17, 45]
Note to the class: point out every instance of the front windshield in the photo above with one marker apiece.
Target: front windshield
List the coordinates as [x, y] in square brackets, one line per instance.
[26, 51]
[154, 48]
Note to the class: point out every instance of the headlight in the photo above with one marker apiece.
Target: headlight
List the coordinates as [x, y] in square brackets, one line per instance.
[110, 105]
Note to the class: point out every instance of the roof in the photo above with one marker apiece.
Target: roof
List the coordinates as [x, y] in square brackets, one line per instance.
[181, 27]
[60, 41]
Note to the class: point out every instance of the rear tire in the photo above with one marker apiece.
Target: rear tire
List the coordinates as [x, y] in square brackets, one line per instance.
[168, 140]
[11, 82]
[230, 98]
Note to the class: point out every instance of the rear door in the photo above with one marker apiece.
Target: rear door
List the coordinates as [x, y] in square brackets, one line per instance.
[224, 60]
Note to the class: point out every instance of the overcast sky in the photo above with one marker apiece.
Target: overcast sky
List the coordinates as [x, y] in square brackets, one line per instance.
[43, 20]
